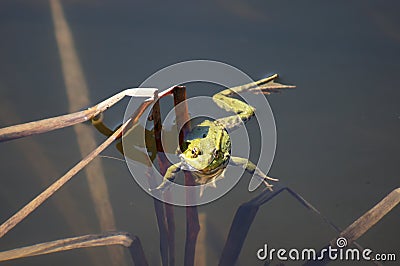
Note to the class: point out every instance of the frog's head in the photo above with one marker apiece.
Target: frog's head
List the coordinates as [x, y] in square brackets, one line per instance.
[197, 154]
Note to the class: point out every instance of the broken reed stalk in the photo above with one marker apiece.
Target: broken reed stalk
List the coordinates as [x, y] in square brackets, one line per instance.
[361, 226]
[192, 219]
[86, 241]
[163, 164]
[201, 246]
[120, 238]
[137, 253]
[246, 213]
[160, 216]
[36, 202]
[45, 125]
[169, 211]
[370, 218]
[57, 122]
[42, 167]
[159, 209]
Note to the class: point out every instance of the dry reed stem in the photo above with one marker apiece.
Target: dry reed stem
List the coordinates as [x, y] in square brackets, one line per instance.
[201, 253]
[45, 125]
[57, 122]
[246, 213]
[106, 239]
[159, 210]
[42, 167]
[137, 253]
[192, 219]
[163, 164]
[160, 216]
[36, 202]
[362, 225]
[370, 218]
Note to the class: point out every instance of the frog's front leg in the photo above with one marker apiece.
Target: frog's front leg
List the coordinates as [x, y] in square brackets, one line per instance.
[253, 169]
[170, 175]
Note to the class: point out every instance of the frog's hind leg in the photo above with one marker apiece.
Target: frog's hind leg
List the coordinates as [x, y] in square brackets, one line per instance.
[169, 176]
[136, 140]
[98, 123]
[244, 111]
[265, 86]
[253, 169]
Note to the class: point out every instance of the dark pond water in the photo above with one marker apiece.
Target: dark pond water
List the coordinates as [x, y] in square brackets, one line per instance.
[338, 132]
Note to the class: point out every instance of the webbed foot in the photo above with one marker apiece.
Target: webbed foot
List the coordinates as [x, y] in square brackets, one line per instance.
[258, 175]
[168, 178]
[268, 85]
[164, 186]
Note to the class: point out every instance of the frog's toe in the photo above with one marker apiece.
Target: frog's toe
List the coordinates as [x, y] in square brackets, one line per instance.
[271, 87]
[269, 186]
[153, 190]
[272, 179]
[164, 186]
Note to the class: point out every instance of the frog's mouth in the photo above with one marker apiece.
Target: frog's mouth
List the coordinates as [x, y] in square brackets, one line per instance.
[190, 167]
[186, 166]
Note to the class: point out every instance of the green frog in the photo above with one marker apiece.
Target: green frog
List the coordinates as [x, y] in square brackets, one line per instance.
[206, 149]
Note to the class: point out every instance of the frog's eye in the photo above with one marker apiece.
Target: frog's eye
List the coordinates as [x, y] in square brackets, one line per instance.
[195, 152]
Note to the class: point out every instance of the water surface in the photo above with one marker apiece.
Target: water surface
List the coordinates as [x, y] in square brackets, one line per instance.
[337, 132]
